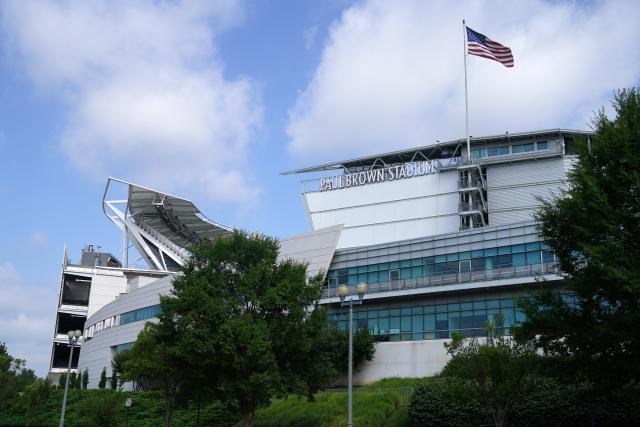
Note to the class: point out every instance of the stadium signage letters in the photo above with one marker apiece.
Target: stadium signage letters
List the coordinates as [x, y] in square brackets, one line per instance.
[374, 176]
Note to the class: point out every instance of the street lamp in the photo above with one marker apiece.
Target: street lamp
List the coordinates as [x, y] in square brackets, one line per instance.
[343, 293]
[73, 339]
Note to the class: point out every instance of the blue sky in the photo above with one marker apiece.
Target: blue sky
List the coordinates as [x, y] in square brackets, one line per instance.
[212, 100]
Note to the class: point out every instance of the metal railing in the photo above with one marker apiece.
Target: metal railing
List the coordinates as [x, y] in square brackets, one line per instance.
[454, 277]
[474, 183]
[475, 206]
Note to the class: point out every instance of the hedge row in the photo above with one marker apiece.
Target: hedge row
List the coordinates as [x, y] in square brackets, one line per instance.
[450, 401]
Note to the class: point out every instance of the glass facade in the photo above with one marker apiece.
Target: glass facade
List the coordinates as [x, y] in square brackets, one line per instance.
[139, 314]
[122, 347]
[535, 253]
[504, 150]
[432, 321]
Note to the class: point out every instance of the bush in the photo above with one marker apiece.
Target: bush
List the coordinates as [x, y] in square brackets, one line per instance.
[451, 401]
[447, 402]
[330, 409]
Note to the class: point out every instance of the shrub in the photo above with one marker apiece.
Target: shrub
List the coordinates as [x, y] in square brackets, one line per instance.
[447, 402]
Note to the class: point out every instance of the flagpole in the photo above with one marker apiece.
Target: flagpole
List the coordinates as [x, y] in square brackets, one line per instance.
[466, 92]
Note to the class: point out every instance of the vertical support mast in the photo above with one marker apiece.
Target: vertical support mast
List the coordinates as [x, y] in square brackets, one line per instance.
[466, 92]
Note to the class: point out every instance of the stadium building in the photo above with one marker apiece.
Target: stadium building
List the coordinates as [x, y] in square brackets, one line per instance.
[445, 243]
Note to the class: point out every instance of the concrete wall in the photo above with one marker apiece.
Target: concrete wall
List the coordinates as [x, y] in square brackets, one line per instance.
[403, 359]
[388, 211]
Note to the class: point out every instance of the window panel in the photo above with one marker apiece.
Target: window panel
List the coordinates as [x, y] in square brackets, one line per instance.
[416, 323]
[405, 324]
[394, 325]
[429, 322]
[543, 145]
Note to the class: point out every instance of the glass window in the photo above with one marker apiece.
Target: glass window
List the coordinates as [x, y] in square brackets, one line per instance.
[533, 258]
[383, 324]
[493, 303]
[515, 149]
[405, 273]
[466, 306]
[428, 270]
[518, 259]
[517, 248]
[353, 279]
[477, 253]
[416, 310]
[394, 265]
[373, 326]
[429, 260]
[406, 324]
[429, 322]
[383, 313]
[373, 277]
[442, 321]
[453, 307]
[464, 255]
[405, 311]
[466, 320]
[479, 318]
[440, 258]
[490, 251]
[533, 246]
[405, 263]
[547, 256]
[416, 323]
[503, 150]
[502, 250]
[416, 272]
[454, 320]
[416, 262]
[362, 269]
[394, 325]
[504, 260]
[452, 257]
[441, 308]
[543, 145]
[394, 312]
[452, 267]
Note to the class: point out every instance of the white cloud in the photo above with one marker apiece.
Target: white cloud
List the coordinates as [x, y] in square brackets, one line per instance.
[27, 314]
[391, 73]
[147, 96]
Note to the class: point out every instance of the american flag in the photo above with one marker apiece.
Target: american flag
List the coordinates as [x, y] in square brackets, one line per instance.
[481, 45]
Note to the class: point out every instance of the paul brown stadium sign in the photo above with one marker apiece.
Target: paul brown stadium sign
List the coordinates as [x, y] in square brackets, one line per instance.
[374, 176]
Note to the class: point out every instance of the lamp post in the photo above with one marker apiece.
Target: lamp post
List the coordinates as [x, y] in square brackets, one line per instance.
[343, 293]
[73, 339]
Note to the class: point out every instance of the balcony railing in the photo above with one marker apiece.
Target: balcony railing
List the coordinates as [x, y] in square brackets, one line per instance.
[452, 278]
[475, 206]
[474, 183]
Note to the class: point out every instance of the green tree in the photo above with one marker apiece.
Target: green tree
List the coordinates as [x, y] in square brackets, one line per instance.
[239, 326]
[62, 380]
[155, 363]
[72, 381]
[85, 378]
[103, 379]
[499, 370]
[113, 381]
[37, 395]
[594, 230]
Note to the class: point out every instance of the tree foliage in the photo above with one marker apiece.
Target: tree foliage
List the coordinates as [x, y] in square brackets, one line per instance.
[240, 326]
[103, 379]
[14, 375]
[498, 369]
[594, 229]
[85, 379]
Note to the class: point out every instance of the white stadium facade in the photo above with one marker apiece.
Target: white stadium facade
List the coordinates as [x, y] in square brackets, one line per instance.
[445, 242]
